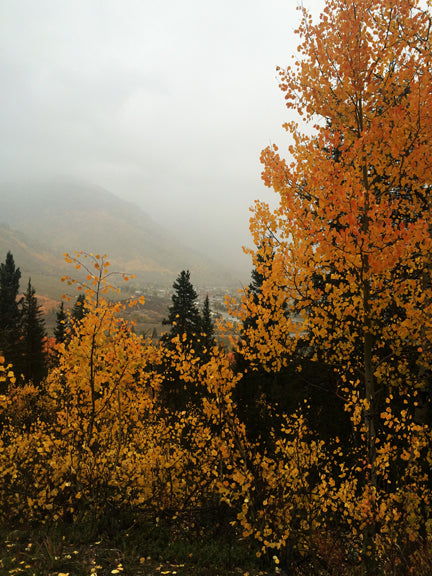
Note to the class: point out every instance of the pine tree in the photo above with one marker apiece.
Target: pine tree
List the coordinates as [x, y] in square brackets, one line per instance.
[60, 330]
[33, 363]
[207, 328]
[254, 294]
[9, 310]
[185, 321]
[184, 316]
[79, 310]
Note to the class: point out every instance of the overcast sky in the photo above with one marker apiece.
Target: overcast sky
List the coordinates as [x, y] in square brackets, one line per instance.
[164, 103]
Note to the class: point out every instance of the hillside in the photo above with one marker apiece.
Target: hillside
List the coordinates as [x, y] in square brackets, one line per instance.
[41, 221]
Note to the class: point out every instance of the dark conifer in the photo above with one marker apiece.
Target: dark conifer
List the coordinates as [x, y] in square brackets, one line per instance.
[184, 316]
[185, 320]
[207, 328]
[79, 309]
[9, 309]
[33, 363]
[60, 330]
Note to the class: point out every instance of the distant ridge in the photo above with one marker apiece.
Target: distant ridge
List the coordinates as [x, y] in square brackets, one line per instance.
[42, 220]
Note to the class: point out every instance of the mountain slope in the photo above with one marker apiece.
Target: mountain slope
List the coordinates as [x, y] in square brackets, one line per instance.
[41, 221]
[35, 260]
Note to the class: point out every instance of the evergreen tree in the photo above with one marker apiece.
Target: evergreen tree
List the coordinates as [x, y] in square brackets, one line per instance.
[79, 310]
[207, 328]
[60, 330]
[33, 363]
[264, 261]
[184, 316]
[9, 309]
[263, 391]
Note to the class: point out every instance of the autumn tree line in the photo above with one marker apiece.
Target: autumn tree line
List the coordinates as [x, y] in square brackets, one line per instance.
[24, 341]
[309, 438]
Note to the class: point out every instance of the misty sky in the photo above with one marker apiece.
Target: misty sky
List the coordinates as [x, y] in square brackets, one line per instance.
[165, 103]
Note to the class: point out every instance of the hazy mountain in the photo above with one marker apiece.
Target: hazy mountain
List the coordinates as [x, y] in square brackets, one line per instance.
[40, 221]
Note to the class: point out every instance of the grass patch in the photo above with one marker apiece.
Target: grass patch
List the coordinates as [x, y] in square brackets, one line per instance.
[142, 549]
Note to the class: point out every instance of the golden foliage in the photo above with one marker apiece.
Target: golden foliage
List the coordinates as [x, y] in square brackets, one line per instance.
[346, 278]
